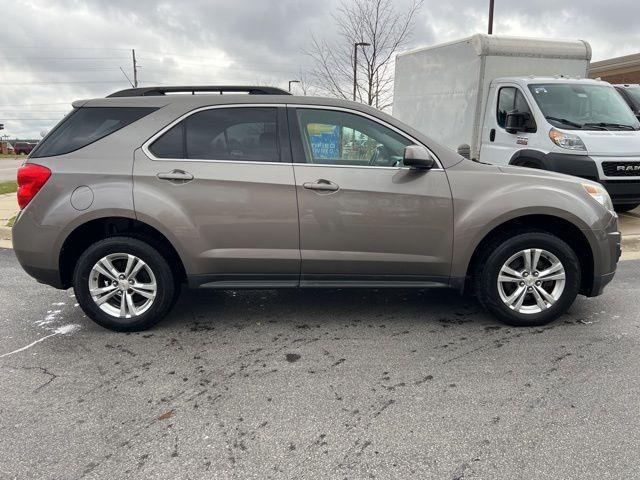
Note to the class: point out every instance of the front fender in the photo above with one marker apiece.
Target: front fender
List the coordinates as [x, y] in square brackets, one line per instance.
[485, 198]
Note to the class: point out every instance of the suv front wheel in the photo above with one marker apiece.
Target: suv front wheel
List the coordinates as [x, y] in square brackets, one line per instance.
[124, 284]
[529, 279]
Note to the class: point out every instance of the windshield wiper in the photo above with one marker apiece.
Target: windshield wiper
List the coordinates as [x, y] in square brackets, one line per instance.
[565, 121]
[614, 125]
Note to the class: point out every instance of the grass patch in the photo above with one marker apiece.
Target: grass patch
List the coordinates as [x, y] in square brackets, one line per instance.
[11, 221]
[8, 187]
[6, 155]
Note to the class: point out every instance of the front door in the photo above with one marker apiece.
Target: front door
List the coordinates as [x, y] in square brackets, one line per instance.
[364, 217]
[498, 145]
[220, 184]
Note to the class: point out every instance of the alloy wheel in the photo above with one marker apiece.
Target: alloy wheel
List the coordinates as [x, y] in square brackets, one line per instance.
[531, 281]
[122, 285]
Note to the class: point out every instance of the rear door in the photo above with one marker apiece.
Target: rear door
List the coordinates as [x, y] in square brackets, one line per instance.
[219, 182]
[364, 217]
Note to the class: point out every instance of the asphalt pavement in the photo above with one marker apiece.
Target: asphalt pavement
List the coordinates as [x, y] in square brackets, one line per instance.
[319, 384]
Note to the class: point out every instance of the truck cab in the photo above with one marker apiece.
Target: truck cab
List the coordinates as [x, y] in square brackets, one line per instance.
[525, 102]
[579, 127]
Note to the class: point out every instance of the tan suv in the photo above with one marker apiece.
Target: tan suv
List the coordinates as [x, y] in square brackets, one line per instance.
[133, 195]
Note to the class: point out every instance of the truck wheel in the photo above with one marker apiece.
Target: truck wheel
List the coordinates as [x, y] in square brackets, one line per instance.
[528, 279]
[124, 284]
[626, 207]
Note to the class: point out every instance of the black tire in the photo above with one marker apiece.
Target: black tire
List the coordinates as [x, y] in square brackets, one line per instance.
[167, 288]
[626, 207]
[496, 254]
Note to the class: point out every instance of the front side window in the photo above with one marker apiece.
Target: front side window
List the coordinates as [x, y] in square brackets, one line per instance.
[87, 125]
[585, 107]
[511, 100]
[340, 138]
[243, 134]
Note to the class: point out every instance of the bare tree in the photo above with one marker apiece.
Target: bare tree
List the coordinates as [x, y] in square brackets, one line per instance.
[377, 23]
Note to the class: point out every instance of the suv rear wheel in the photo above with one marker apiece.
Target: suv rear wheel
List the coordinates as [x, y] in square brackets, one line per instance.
[124, 284]
[529, 279]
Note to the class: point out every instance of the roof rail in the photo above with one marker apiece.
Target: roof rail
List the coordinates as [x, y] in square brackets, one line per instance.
[156, 91]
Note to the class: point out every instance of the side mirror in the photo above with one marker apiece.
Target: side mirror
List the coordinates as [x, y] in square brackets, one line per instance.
[515, 122]
[416, 156]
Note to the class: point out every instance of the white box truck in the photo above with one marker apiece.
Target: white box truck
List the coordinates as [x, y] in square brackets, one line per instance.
[524, 102]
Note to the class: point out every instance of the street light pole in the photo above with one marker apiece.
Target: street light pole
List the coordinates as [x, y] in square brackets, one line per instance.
[292, 81]
[355, 65]
[491, 17]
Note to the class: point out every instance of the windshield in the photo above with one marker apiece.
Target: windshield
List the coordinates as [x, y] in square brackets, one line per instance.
[584, 107]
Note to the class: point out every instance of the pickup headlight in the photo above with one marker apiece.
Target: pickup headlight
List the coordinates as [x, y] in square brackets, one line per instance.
[569, 141]
[599, 194]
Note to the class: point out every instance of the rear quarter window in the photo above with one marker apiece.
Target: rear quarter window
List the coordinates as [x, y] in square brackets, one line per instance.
[84, 126]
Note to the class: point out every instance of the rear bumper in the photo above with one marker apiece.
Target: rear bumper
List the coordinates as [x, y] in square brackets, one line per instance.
[33, 246]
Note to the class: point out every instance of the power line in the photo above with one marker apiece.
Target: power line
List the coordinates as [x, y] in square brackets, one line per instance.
[64, 83]
[29, 119]
[63, 58]
[33, 104]
[62, 48]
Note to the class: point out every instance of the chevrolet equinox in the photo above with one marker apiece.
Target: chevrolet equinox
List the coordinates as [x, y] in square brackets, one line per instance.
[131, 196]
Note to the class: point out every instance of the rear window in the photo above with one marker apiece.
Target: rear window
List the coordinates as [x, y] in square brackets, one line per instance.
[87, 125]
[234, 134]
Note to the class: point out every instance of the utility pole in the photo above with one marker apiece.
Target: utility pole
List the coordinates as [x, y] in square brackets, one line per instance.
[135, 68]
[355, 65]
[491, 17]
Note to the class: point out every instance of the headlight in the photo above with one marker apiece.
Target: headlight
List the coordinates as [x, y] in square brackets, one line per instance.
[599, 194]
[569, 141]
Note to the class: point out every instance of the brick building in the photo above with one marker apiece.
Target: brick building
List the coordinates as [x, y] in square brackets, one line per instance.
[617, 70]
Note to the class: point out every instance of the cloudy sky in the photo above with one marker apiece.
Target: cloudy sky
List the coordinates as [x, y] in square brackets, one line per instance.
[55, 51]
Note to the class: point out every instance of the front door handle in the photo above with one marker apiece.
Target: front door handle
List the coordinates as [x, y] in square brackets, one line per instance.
[175, 176]
[321, 186]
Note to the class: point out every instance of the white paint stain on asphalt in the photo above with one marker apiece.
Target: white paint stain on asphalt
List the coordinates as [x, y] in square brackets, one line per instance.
[52, 316]
[63, 330]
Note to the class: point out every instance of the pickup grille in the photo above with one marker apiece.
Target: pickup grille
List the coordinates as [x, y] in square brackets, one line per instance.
[621, 169]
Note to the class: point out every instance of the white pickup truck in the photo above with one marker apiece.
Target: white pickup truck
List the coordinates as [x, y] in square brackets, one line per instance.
[525, 102]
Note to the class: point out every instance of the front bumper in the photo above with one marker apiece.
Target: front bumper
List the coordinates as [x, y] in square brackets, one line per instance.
[606, 256]
[623, 191]
[622, 188]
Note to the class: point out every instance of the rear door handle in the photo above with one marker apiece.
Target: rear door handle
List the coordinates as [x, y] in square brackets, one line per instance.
[175, 176]
[321, 186]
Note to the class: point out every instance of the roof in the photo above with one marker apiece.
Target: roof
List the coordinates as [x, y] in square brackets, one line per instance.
[525, 80]
[502, 45]
[627, 61]
[201, 100]
[163, 90]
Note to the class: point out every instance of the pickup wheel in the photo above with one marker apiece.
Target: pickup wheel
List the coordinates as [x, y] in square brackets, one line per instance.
[528, 279]
[124, 284]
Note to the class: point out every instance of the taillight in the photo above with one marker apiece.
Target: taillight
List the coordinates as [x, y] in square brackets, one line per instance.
[31, 178]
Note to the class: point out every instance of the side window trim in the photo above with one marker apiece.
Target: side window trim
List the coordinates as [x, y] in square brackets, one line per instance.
[500, 90]
[279, 126]
[517, 92]
[297, 148]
